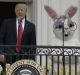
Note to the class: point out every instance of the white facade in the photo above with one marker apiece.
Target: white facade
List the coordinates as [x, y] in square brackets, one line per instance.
[44, 23]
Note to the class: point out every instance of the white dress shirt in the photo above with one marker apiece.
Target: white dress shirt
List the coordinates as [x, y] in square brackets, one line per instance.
[17, 24]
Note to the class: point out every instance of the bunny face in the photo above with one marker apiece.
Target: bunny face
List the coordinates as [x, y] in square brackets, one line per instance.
[63, 27]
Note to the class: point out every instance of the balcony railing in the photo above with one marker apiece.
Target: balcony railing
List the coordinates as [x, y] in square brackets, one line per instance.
[56, 60]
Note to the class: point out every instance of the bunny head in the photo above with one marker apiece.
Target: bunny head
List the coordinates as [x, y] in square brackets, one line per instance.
[63, 27]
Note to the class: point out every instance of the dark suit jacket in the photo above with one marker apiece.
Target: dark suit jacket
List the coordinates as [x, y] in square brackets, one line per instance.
[8, 34]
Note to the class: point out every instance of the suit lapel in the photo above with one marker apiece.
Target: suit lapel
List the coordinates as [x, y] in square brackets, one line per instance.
[26, 29]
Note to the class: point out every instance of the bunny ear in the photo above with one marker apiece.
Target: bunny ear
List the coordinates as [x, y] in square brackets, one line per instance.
[71, 11]
[52, 13]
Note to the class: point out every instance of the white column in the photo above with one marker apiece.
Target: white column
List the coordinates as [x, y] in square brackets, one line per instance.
[41, 23]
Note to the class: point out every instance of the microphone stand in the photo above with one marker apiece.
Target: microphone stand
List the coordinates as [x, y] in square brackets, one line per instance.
[63, 60]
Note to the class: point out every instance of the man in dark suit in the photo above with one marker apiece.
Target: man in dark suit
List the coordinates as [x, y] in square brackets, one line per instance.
[9, 32]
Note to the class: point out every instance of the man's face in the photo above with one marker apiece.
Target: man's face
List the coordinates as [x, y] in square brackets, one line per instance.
[20, 10]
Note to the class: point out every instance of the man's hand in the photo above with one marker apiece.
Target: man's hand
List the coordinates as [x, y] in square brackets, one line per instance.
[2, 58]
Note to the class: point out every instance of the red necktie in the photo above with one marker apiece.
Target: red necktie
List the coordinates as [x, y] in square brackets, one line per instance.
[19, 36]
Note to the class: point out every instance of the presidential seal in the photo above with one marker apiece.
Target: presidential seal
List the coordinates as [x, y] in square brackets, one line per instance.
[25, 67]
